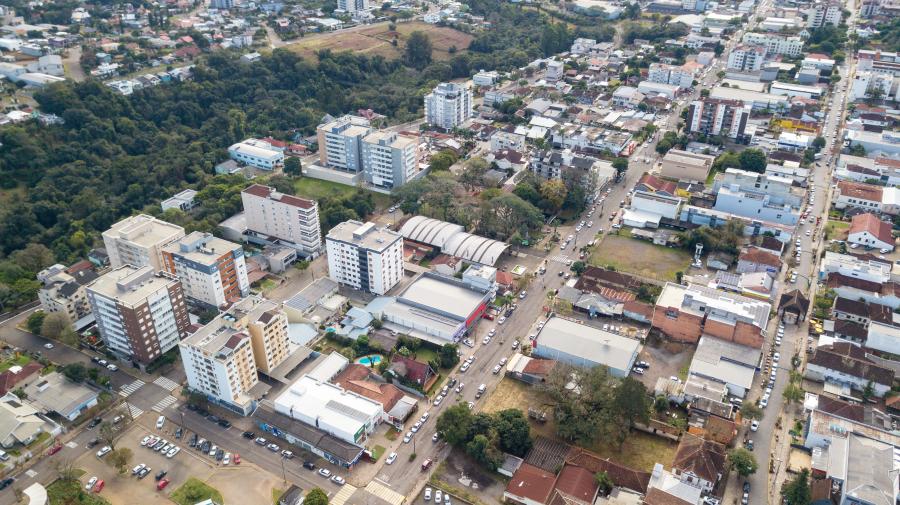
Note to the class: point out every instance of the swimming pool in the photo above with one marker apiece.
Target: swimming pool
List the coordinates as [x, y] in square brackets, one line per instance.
[371, 360]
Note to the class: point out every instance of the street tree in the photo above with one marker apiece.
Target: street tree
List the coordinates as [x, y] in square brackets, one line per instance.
[554, 192]
[316, 496]
[750, 411]
[742, 461]
[449, 355]
[454, 424]
[292, 166]
[35, 321]
[55, 325]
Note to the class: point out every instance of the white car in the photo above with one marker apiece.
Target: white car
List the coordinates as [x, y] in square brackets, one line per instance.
[754, 425]
[764, 401]
[173, 451]
[496, 369]
[136, 470]
[408, 437]
[90, 483]
[391, 458]
[486, 340]
[501, 320]
[227, 459]
[160, 421]
[424, 417]
[49, 345]
[415, 427]
[103, 451]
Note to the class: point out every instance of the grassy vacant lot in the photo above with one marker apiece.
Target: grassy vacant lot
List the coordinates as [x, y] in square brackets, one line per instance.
[318, 189]
[72, 493]
[837, 230]
[376, 40]
[21, 360]
[640, 257]
[194, 491]
[640, 450]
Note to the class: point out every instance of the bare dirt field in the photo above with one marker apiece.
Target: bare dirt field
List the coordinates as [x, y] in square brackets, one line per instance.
[640, 257]
[376, 40]
[640, 450]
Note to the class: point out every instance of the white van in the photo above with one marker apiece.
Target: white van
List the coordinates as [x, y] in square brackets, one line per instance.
[160, 421]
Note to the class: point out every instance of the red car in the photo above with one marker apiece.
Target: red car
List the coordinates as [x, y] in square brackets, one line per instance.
[162, 484]
[99, 486]
[53, 450]
[236, 459]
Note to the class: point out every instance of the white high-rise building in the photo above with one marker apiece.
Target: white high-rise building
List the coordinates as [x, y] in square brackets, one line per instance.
[775, 44]
[138, 241]
[389, 159]
[141, 314]
[711, 116]
[448, 105]
[353, 7]
[661, 73]
[274, 217]
[212, 271]
[340, 142]
[365, 257]
[222, 359]
[747, 58]
[824, 13]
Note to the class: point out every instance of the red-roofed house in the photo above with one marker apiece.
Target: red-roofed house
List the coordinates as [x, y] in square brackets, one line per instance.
[869, 231]
[529, 486]
[17, 375]
[859, 195]
[412, 370]
[652, 184]
[754, 259]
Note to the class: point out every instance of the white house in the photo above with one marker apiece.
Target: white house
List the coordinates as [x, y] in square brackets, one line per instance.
[869, 231]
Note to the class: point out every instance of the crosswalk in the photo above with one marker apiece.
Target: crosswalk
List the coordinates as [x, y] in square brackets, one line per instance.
[166, 383]
[559, 258]
[385, 493]
[164, 403]
[342, 495]
[126, 390]
[134, 410]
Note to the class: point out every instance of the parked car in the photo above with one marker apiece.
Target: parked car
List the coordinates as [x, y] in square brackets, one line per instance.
[324, 472]
[309, 465]
[391, 458]
[103, 451]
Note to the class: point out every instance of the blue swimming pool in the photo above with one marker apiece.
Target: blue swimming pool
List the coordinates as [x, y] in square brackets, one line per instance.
[371, 360]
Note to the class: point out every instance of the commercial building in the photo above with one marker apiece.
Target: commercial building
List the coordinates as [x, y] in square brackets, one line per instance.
[448, 106]
[723, 117]
[340, 142]
[222, 359]
[780, 190]
[436, 308]
[846, 365]
[62, 291]
[885, 143]
[365, 257]
[585, 346]
[868, 197]
[791, 90]
[212, 271]
[452, 239]
[754, 99]
[343, 414]
[256, 153]
[138, 241]
[276, 218]
[389, 159]
[726, 362]
[667, 74]
[686, 166]
[141, 314]
[667, 91]
[54, 393]
[747, 58]
[775, 44]
[684, 313]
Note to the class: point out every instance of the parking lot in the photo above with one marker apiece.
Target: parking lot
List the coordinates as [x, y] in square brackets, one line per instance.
[256, 484]
[665, 360]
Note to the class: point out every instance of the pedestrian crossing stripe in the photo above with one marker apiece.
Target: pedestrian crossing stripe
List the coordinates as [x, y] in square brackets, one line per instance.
[166, 383]
[133, 410]
[343, 495]
[128, 389]
[164, 403]
[385, 493]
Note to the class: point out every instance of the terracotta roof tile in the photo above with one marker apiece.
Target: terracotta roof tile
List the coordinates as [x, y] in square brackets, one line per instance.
[851, 360]
[870, 223]
[531, 482]
[703, 458]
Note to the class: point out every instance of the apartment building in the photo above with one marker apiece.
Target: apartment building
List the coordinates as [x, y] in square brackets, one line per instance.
[138, 241]
[389, 159]
[64, 291]
[780, 189]
[867, 83]
[712, 116]
[747, 58]
[661, 73]
[448, 105]
[340, 142]
[824, 13]
[212, 270]
[353, 7]
[140, 313]
[365, 257]
[256, 153]
[684, 313]
[775, 44]
[273, 217]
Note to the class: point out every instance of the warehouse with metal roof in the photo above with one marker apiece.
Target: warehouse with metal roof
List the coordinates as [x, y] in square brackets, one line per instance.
[452, 239]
